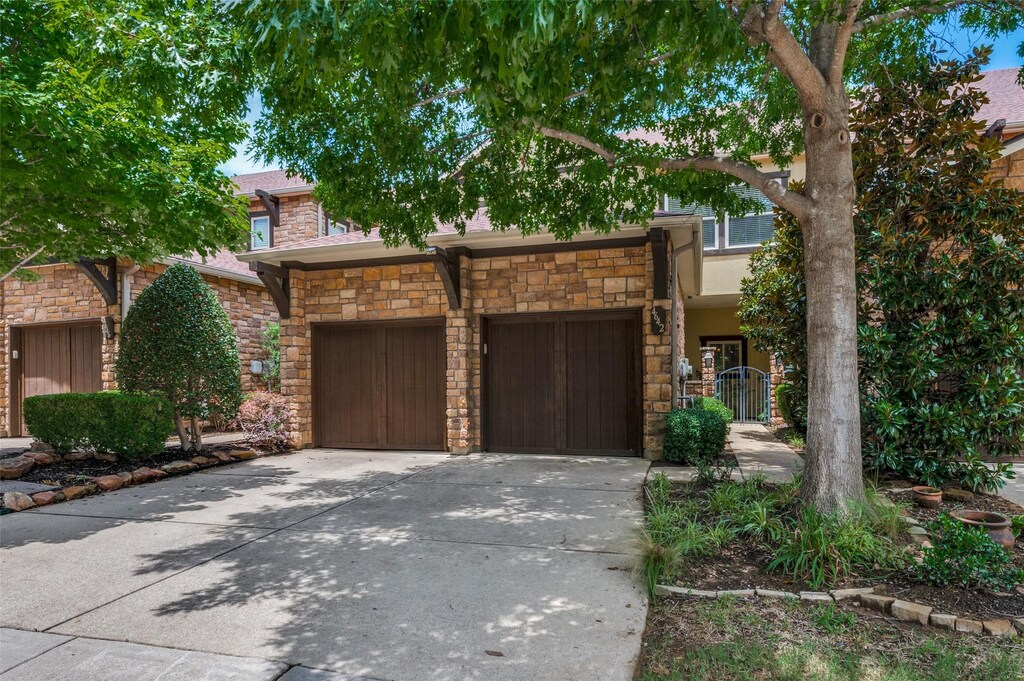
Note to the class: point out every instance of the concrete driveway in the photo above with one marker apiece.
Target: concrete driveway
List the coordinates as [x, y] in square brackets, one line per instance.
[376, 565]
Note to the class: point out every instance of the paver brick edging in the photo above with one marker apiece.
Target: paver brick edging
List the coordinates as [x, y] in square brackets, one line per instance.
[905, 611]
[18, 501]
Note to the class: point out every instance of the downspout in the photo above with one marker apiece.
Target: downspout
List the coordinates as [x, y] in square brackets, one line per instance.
[126, 288]
[675, 312]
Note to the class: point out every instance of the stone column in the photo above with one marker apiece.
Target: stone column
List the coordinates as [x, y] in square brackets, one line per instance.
[776, 373]
[707, 373]
[296, 363]
[459, 342]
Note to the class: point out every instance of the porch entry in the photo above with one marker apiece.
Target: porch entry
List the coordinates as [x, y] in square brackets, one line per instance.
[747, 391]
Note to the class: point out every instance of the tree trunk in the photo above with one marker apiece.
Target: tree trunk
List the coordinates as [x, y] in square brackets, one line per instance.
[179, 426]
[833, 476]
[197, 434]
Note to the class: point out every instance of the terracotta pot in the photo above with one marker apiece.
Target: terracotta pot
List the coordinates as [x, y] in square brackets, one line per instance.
[929, 497]
[996, 524]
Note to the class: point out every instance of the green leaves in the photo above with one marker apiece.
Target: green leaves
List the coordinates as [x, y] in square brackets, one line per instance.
[965, 556]
[113, 119]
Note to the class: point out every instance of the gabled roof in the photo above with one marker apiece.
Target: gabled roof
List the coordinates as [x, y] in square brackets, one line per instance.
[223, 263]
[1006, 96]
[268, 180]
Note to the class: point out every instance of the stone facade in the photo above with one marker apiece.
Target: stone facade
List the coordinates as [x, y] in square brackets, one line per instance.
[1010, 169]
[595, 279]
[301, 218]
[62, 293]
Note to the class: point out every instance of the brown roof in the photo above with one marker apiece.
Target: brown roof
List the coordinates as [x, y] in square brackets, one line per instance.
[1006, 96]
[221, 260]
[269, 180]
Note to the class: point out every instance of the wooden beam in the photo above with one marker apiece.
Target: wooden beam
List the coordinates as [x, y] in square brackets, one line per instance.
[659, 253]
[106, 284]
[276, 280]
[447, 265]
[995, 131]
[273, 206]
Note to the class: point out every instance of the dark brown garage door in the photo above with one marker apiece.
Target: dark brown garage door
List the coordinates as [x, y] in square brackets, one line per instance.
[55, 359]
[563, 384]
[379, 386]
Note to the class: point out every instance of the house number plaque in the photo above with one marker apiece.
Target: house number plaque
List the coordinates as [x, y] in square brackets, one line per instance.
[658, 318]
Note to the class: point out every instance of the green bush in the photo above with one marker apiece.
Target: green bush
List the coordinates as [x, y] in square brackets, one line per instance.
[784, 399]
[109, 422]
[694, 436]
[966, 556]
[61, 421]
[177, 342]
[715, 405]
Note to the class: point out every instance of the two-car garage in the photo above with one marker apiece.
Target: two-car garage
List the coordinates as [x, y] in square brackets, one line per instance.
[554, 383]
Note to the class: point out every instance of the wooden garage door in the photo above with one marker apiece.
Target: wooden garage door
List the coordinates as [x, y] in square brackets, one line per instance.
[57, 359]
[378, 386]
[563, 384]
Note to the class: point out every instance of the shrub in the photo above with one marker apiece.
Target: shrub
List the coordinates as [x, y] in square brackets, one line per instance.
[177, 342]
[694, 436]
[264, 418]
[784, 399]
[966, 556]
[61, 421]
[1017, 526]
[715, 405]
[823, 549]
[111, 422]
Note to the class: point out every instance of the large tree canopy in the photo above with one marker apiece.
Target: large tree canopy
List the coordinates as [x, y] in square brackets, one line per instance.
[114, 115]
[408, 112]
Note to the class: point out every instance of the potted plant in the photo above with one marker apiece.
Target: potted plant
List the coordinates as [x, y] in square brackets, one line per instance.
[929, 497]
[996, 524]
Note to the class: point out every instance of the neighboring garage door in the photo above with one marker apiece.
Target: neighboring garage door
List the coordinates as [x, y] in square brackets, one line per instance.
[563, 384]
[379, 386]
[56, 359]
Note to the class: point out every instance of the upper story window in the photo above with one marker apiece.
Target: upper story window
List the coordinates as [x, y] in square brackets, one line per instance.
[726, 232]
[259, 232]
[332, 226]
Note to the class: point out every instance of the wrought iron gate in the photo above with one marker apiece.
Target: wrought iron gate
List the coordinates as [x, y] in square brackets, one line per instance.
[747, 391]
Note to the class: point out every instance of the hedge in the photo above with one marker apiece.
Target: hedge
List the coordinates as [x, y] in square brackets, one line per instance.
[110, 422]
[715, 405]
[694, 436]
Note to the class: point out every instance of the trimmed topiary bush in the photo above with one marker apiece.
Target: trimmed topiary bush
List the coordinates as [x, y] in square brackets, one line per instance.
[715, 405]
[61, 421]
[264, 418]
[177, 342]
[109, 422]
[694, 436]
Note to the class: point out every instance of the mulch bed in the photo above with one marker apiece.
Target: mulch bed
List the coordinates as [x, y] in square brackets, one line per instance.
[742, 565]
[66, 473]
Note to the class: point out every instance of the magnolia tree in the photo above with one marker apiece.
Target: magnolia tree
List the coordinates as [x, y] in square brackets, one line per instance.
[940, 260]
[177, 342]
[114, 115]
[409, 112]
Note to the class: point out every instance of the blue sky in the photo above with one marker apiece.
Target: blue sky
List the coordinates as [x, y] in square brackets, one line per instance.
[959, 44]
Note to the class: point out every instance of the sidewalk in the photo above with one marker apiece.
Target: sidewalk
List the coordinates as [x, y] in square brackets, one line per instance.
[756, 451]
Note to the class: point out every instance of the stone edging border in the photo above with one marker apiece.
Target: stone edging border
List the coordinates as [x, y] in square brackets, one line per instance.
[20, 501]
[904, 611]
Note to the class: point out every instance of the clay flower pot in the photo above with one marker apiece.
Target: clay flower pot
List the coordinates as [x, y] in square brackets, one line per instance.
[996, 524]
[929, 497]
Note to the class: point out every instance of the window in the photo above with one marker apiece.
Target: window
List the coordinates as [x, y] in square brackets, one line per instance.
[751, 229]
[259, 232]
[710, 233]
[332, 226]
[728, 352]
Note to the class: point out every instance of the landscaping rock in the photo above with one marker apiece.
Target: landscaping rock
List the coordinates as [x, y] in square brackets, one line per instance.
[877, 602]
[126, 477]
[18, 501]
[108, 483]
[819, 596]
[742, 593]
[105, 456]
[223, 457]
[47, 498]
[41, 458]
[41, 447]
[79, 491]
[957, 494]
[144, 474]
[771, 593]
[663, 590]
[78, 456]
[201, 460]
[999, 628]
[176, 467]
[1019, 625]
[846, 594]
[909, 520]
[244, 454]
[942, 620]
[968, 626]
[911, 612]
[15, 467]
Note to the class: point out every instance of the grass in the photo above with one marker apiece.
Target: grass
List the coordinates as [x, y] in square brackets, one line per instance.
[728, 639]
